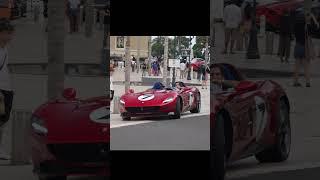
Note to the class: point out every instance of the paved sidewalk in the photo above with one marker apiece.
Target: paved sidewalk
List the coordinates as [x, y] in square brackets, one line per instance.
[266, 63]
[29, 44]
[119, 77]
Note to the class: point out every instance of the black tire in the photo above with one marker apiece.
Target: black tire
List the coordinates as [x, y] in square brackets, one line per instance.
[218, 157]
[177, 113]
[281, 149]
[198, 106]
[53, 178]
[126, 118]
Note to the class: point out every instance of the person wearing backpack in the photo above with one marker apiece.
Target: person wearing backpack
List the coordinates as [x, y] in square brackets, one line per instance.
[6, 92]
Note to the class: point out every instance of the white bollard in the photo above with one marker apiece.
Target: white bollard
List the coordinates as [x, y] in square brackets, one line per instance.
[116, 101]
[262, 26]
[269, 42]
[21, 128]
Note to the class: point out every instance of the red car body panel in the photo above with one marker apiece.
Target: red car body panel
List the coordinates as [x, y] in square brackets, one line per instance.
[196, 63]
[247, 138]
[134, 107]
[274, 11]
[77, 140]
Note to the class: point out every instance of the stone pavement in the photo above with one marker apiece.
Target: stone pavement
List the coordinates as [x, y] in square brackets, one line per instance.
[30, 43]
[267, 63]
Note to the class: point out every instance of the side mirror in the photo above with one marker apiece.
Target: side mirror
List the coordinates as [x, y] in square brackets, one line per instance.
[246, 86]
[69, 93]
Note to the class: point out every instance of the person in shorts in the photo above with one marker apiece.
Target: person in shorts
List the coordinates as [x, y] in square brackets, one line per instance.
[232, 19]
[6, 92]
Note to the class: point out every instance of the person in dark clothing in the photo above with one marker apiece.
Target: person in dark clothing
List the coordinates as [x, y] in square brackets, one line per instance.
[286, 29]
[45, 13]
[302, 24]
[144, 68]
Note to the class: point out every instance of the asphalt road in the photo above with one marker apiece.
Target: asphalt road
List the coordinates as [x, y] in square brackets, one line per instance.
[190, 133]
[310, 174]
[25, 173]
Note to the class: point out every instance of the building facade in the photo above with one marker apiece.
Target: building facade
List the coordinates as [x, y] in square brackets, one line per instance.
[117, 46]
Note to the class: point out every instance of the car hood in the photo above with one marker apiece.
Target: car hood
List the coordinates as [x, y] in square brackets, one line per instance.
[148, 98]
[76, 121]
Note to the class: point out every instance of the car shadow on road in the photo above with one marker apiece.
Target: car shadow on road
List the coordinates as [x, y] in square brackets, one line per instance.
[157, 118]
[87, 178]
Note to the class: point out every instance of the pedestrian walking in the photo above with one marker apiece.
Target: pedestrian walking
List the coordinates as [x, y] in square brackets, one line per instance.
[303, 51]
[247, 23]
[133, 63]
[6, 92]
[204, 70]
[286, 29]
[144, 68]
[182, 69]
[74, 10]
[232, 20]
[111, 81]
[159, 68]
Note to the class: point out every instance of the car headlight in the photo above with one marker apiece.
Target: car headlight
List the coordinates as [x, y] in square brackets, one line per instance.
[38, 125]
[122, 102]
[170, 99]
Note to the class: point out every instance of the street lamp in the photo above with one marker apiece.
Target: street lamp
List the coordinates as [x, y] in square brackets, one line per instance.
[106, 42]
[189, 69]
[253, 51]
[174, 68]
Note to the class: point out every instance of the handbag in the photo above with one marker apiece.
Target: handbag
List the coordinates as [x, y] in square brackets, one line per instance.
[309, 48]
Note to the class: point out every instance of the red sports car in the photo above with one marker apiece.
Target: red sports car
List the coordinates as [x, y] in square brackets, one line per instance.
[71, 137]
[196, 63]
[274, 11]
[160, 100]
[249, 119]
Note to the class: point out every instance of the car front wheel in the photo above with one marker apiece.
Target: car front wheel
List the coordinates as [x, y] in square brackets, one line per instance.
[177, 113]
[281, 149]
[218, 155]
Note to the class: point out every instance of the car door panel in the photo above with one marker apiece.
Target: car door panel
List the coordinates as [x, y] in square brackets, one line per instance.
[241, 111]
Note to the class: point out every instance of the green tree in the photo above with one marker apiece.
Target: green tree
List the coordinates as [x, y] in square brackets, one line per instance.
[157, 49]
[199, 46]
[158, 46]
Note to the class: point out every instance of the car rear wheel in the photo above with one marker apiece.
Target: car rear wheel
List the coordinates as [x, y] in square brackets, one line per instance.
[198, 105]
[53, 178]
[281, 149]
[177, 113]
[218, 155]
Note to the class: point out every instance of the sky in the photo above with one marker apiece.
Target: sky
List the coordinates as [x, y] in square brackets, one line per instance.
[193, 40]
